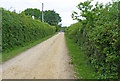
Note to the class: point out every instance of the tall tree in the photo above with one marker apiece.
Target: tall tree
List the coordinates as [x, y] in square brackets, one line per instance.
[33, 12]
[51, 17]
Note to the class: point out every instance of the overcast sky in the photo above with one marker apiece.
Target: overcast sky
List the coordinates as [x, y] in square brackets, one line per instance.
[63, 7]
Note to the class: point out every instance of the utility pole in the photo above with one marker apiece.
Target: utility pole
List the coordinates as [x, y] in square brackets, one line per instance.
[42, 13]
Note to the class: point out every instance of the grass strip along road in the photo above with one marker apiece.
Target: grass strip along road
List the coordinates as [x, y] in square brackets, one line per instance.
[79, 60]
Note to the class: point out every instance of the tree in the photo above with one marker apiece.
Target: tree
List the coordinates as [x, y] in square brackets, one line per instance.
[88, 14]
[33, 12]
[51, 17]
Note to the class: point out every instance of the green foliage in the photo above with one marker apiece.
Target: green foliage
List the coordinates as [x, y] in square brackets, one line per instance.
[19, 30]
[63, 28]
[79, 60]
[17, 50]
[0, 30]
[33, 12]
[98, 35]
[59, 28]
[51, 17]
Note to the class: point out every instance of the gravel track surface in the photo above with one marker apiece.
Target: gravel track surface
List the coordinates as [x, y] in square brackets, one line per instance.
[47, 60]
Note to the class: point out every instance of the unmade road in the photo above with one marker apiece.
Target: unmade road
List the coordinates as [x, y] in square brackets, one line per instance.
[47, 60]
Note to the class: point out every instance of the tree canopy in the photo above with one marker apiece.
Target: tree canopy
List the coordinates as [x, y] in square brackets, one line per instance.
[33, 12]
[50, 16]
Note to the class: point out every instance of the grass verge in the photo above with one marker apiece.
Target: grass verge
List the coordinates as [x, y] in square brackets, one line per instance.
[79, 60]
[6, 56]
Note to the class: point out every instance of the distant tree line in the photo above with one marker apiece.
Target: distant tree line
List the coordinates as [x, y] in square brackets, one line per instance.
[50, 16]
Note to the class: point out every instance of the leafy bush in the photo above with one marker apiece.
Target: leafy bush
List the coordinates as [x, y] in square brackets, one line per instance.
[19, 30]
[99, 35]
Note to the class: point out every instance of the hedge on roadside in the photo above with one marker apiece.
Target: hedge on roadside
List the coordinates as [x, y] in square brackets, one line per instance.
[100, 40]
[19, 30]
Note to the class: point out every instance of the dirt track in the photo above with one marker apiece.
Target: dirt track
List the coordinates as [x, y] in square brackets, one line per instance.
[47, 60]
